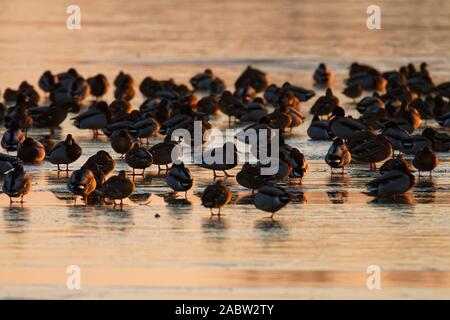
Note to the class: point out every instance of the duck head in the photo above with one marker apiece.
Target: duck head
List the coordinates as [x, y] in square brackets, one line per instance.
[338, 112]
[69, 140]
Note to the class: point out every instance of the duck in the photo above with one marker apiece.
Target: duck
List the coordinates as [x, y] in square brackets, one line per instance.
[353, 91]
[52, 116]
[425, 160]
[202, 81]
[138, 158]
[162, 152]
[82, 183]
[392, 183]
[440, 141]
[323, 77]
[230, 105]
[65, 152]
[300, 93]
[209, 105]
[31, 151]
[280, 118]
[370, 104]
[16, 183]
[119, 109]
[252, 77]
[220, 159]
[124, 87]
[145, 128]
[250, 176]
[298, 165]
[397, 163]
[338, 155]
[271, 199]
[319, 129]
[121, 142]
[12, 138]
[373, 151]
[395, 134]
[98, 116]
[215, 196]
[179, 178]
[47, 81]
[48, 142]
[344, 127]
[118, 187]
[8, 162]
[99, 85]
[254, 111]
[78, 89]
[444, 120]
[325, 105]
[102, 160]
[415, 143]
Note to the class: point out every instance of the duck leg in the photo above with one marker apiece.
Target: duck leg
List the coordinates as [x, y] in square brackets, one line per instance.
[272, 215]
[227, 174]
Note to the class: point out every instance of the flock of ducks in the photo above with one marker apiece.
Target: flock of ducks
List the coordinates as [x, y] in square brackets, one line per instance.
[396, 105]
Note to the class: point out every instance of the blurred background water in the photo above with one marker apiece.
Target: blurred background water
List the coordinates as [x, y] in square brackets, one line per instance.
[319, 246]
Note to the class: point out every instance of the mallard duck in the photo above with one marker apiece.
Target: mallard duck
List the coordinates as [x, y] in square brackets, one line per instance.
[373, 151]
[426, 160]
[102, 160]
[252, 77]
[298, 162]
[47, 81]
[144, 128]
[12, 138]
[118, 187]
[254, 111]
[344, 127]
[179, 178]
[230, 105]
[397, 163]
[250, 177]
[415, 143]
[99, 85]
[138, 158]
[353, 91]
[209, 105]
[121, 141]
[440, 140]
[202, 81]
[124, 87]
[8, 162]
[215, 196]
[31, 151]
[323, 76]
[120, 109]
[82, 182]
[162, 152]
[271, 199]
[320, 129]
[280, 118]
[220, 159]
[324, 105]
[300, 93]
[98, 116]
[52, 116]
[16, 183]
[338, 155]
[392, 183]
[65, 152]
[370, 104]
